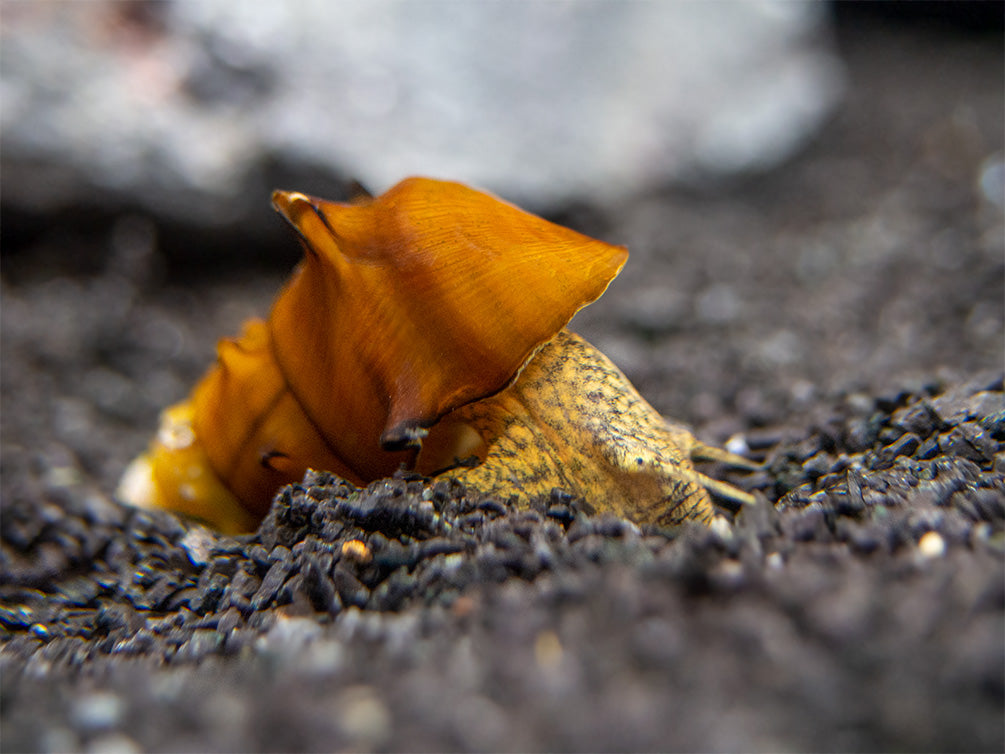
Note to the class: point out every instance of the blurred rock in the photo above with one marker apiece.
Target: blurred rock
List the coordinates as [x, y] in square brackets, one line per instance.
[195, 109]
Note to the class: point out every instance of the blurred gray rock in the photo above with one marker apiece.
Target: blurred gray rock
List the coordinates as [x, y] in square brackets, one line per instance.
[192, 108]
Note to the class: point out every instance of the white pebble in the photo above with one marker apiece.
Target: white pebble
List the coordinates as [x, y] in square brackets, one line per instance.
[363, 716]
[737, 444]
[722, 528]
[932, 545]
[97, 711]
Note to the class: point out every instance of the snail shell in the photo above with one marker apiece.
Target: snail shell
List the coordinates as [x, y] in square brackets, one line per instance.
[573, 420]
[422, 327]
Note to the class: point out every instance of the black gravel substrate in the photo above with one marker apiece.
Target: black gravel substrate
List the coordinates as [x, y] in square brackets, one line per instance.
[865, 612]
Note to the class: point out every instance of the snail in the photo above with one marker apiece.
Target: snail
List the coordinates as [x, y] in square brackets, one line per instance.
[425, 329]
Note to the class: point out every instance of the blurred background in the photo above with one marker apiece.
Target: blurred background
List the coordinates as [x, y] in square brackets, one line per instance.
[811, 192]
[196, 108]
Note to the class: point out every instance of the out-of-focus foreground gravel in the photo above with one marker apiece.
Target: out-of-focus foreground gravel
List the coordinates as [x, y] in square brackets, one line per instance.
[840, 319]
[867, 611]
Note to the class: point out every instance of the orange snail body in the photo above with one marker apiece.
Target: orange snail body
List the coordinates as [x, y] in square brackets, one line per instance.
[422, 327]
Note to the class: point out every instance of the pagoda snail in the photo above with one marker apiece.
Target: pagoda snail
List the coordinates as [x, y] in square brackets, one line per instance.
[424, 328]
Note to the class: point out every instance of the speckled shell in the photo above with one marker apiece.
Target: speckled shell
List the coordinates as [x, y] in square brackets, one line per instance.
[572, 420]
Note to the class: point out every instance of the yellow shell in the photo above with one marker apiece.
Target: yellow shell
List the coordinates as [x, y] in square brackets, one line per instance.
[422, 327]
